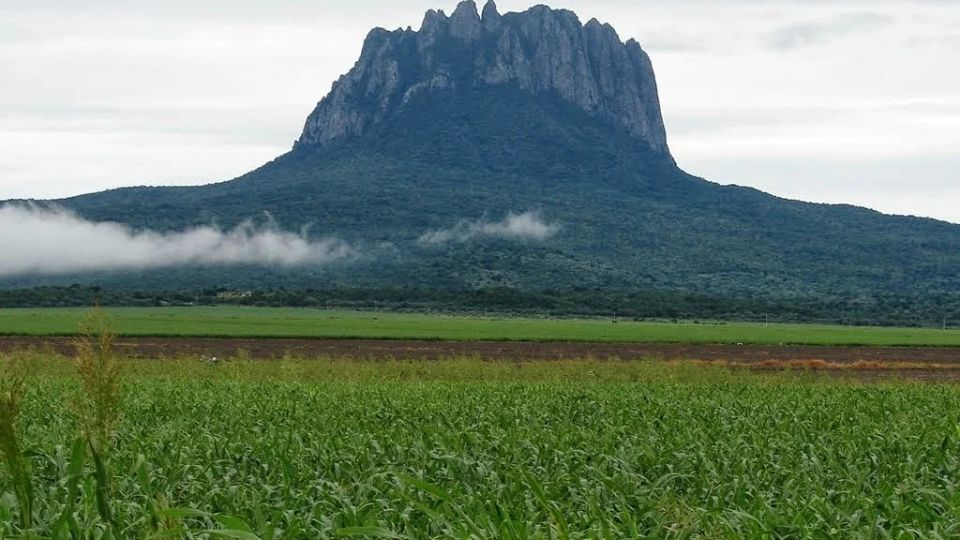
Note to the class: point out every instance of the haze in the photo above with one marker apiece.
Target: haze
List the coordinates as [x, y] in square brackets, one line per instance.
[846, 101]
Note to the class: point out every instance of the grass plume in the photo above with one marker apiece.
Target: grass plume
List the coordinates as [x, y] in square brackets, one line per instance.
[99, 407]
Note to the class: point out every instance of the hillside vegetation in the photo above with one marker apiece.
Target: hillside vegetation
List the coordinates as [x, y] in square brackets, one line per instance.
[628, 219]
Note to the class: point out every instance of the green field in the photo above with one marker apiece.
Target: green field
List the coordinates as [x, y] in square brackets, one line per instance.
[470, 449]
[314, 323]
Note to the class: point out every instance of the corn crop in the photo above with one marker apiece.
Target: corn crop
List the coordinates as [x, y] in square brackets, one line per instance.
[320, 448]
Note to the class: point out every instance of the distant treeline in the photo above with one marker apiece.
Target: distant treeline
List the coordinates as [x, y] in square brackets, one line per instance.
[880, 310]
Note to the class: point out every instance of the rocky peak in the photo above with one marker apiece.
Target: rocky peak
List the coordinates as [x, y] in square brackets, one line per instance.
[465, 21]
[490, 16]
[541, 50]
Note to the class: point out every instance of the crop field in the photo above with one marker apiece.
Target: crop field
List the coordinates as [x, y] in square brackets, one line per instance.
[243, 322]
[324, 448]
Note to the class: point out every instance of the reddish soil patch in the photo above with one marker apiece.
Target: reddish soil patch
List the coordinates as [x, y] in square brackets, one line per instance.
[862, 363]
[946, 357]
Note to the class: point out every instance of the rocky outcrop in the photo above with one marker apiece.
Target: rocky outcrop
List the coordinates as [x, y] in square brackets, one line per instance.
[541, 50]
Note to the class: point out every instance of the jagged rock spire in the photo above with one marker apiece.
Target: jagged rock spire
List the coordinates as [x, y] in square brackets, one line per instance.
[433, 21]
[490, 17]
[465, 21]
[539, 51]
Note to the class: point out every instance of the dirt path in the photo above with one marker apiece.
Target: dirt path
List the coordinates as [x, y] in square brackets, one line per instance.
[429, 350]
[863, 363]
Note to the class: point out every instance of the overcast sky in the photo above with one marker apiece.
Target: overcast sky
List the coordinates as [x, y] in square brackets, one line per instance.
[822, 100]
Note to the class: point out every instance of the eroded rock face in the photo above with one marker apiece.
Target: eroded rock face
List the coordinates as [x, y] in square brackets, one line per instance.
[539, 50]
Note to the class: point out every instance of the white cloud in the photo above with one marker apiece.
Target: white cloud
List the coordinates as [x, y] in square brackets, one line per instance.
[525, 226]
[54, 241]
[806, 33]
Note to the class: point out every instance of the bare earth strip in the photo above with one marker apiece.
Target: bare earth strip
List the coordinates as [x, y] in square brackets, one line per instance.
[502, 350]
[865, 363]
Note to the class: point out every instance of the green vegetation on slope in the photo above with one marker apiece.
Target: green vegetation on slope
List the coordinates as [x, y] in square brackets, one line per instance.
[629, 220]
[315, 323]
[877, 310]
[316, 449]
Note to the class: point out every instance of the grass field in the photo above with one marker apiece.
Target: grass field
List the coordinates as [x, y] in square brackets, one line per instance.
[469, 449]
[313, 323]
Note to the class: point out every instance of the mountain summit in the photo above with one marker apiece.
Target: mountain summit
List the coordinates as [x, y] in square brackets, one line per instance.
[542, 51]
[526, 152]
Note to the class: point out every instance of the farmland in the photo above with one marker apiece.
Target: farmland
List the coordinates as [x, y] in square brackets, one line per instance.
[321, 448]
[314, 323]
[451, 437]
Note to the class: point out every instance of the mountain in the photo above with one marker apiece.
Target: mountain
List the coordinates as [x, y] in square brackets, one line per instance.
[528, 151]
[541, 51]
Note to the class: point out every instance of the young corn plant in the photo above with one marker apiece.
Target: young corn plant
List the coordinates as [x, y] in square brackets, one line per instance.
[99, 406]
[13, 379]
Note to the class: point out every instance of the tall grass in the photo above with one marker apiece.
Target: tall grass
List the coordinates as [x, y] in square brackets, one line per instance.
[97, 410]
[99, 373]
[98, 407]
[15, 370]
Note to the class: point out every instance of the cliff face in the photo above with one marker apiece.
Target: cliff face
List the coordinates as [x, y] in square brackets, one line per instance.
[540, 50]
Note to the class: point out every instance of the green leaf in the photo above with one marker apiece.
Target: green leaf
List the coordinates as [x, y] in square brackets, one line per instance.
[232, 533]
[183, 513]
[376, 532]
[103, 485]
[8, 501]
[230, 522]
[558, 519]
[425, 486]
